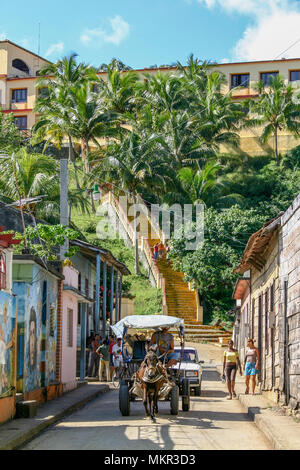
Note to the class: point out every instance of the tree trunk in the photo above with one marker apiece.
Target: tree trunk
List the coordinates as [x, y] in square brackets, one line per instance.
[136, 242]
[276, 146]
[73, 160]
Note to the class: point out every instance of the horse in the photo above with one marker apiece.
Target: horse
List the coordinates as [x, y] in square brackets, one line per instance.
[152, 377]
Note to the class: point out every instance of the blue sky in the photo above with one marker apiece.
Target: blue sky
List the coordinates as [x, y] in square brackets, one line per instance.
[143, 33]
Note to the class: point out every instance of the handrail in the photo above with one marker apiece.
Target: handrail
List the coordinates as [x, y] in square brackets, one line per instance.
[109, 197]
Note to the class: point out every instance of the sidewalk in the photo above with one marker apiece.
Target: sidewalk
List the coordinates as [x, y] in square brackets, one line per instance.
[282, 431]
[17, 432]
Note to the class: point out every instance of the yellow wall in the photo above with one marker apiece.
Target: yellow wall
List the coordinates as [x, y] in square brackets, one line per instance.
[249, 143]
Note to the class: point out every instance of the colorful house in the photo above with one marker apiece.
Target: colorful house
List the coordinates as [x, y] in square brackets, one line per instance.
[100, 286]
[37, 289]
[8, 319]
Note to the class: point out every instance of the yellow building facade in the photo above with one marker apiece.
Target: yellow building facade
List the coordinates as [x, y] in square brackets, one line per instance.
[19, 71]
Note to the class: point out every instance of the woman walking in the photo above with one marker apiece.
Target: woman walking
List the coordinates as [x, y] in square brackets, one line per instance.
[230, 364]
[251, 365]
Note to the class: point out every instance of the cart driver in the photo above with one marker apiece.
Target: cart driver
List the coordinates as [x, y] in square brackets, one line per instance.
[165, 345]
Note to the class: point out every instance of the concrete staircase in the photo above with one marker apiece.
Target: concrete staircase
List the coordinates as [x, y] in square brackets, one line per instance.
[179, 299]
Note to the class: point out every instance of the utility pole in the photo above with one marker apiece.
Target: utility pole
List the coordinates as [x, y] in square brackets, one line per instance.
[64, 206]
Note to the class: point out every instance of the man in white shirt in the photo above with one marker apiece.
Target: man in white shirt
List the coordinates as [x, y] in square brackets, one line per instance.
[117, 355]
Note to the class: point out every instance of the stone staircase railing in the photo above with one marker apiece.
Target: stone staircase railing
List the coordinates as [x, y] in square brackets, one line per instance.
[143, 243]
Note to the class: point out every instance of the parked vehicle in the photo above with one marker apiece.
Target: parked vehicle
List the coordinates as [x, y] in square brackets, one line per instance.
[190, 368]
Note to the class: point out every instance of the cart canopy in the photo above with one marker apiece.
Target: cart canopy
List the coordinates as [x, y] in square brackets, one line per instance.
[147, 322]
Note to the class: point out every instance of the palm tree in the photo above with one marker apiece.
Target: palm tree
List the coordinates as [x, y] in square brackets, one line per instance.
[56, 107]
[277, 108]
[199, 185]
[25, 175]
[132, 165]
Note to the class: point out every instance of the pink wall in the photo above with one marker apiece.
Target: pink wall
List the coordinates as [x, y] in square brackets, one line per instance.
[69, 302]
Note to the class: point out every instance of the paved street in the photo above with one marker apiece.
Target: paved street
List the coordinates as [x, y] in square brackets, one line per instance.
[213, 423]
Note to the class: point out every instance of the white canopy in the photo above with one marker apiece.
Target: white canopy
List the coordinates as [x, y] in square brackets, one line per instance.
[146, 322]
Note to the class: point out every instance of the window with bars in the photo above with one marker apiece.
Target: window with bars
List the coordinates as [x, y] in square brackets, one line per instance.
[70, 328]
[294, 75]
[20, 95]
[21, 122]
[2, 270]
[240, 79]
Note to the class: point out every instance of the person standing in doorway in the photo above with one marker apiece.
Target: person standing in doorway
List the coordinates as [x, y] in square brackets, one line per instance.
[251, 365]
[230, 364]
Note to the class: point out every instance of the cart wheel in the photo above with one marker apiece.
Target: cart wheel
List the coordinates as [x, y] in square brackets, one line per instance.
[124, 403]
[186, 395]
[174, 399]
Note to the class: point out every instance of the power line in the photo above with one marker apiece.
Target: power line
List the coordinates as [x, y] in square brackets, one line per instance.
[283, 52]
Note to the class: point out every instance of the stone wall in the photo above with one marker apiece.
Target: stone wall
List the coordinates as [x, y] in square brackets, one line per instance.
[266, 338]
[289, 311]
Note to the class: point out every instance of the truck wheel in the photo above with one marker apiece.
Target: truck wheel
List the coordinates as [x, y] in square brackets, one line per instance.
[124, 403]
[198, 390]
[186, 395]
[174, 400]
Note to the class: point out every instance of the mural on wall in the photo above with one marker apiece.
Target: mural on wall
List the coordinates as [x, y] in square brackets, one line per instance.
[33, 334]
[38, 312]
[7, 341]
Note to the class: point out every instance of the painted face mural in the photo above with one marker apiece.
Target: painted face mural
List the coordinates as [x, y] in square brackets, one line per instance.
[32, 340]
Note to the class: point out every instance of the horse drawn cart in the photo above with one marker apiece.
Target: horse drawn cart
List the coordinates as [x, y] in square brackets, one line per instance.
[143, 372]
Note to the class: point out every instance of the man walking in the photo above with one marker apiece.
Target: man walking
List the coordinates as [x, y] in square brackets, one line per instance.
[94, 357]
[103, 352]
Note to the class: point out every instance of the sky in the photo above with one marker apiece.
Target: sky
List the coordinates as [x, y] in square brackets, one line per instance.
[145, 33]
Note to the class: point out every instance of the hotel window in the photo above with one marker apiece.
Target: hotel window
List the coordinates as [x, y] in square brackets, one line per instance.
[294, 75]
[266, 76]
[70, 328]
[240, 79]
[21, 122]
[19, 96]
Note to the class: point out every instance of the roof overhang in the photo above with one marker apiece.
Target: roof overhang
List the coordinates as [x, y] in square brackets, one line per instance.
[240, 288]
[256, 246]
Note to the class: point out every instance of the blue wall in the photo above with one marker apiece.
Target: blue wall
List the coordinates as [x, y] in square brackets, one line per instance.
[37, 306]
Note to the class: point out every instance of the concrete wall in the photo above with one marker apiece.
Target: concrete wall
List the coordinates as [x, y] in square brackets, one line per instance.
[69, 303]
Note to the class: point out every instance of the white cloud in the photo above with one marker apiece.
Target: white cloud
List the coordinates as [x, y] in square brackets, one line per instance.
[273, 27]
[270, 37]
[3, 36]
[225, 61]
[55, 48]
[119, 31]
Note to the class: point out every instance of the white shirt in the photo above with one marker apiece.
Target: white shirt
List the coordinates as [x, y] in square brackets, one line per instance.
[117, 350]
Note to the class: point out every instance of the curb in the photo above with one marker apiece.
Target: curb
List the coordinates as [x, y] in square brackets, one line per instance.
[26, 437]
[262, 422]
